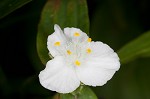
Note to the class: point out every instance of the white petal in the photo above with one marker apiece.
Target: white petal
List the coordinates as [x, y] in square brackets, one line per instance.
[57, 36]
[94, 76]
[59, 77]
[100, 49]
[99, 66]
[104, 62]
[103, 56]
[69, 32]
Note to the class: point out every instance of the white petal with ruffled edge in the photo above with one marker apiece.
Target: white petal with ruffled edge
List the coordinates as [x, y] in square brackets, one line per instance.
[94, 76]
[99, 66]
[103, 56]
[59, 77]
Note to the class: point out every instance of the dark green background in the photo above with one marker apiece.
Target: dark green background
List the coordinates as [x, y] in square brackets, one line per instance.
[115, 22]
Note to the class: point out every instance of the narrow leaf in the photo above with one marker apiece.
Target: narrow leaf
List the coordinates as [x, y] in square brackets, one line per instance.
[66, 13]
[140, 47]
[8, 6]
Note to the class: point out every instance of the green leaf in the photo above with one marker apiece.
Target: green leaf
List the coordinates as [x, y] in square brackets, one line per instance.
[140, 47]
[8, 6]
[66, 13]
[83, 92]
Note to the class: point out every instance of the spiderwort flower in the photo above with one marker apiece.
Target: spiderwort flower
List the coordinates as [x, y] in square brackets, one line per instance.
[77, 59]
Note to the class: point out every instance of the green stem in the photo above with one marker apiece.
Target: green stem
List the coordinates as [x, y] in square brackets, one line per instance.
[75, 97]
[76, 92]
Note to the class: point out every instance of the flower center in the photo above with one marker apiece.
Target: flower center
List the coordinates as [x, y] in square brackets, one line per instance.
[77, 53]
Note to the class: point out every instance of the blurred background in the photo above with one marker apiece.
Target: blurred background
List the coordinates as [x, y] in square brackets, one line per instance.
[115, 22]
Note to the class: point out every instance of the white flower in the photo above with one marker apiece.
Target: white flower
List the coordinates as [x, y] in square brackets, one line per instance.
[77, 59]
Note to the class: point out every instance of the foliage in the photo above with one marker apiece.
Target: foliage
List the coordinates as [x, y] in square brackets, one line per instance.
[139, 47]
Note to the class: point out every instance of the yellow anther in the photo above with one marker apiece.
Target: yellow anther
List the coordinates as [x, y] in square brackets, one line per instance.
[57, 43]
[69, 52]
[89, 40]
[76, 34]
[88, 50]
[77, 63]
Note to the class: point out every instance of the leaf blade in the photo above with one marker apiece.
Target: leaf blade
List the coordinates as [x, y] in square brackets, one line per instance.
[140, 47]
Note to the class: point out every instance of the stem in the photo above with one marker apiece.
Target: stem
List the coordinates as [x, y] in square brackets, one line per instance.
[75, 97]
[77, 92]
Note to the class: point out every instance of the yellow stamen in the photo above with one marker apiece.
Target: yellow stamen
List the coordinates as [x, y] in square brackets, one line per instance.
[76, 34]
[57, 43]
[69, 52]
[88, 50]
[89, 40]
[77, 63]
